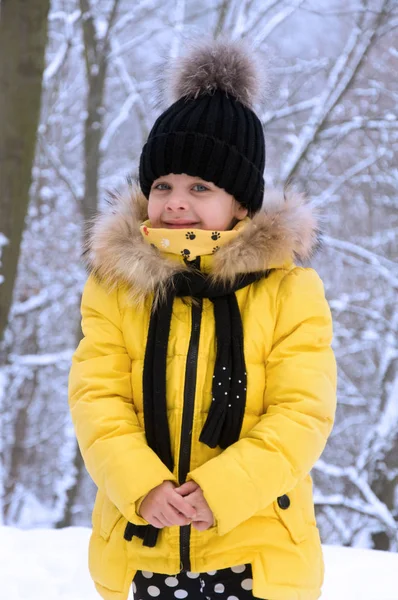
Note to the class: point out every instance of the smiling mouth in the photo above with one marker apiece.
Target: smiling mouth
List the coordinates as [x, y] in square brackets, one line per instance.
[179, 224]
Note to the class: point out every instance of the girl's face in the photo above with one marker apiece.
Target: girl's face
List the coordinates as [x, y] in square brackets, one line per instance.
[185, 202]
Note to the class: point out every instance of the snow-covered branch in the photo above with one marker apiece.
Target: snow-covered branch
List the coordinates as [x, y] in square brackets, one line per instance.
[347, 424]
[134, 95]
[385, 431]
[61, 170]
[41, 360]
[287, 111]
[144, 6]
[274, 22]
[353, 504]
[121, 117]
[40, 300]
[301, 66]
[178, 27]
[384, 266]
[389, 122]
[3, 242]
[57, 62]
[338, 81]
[329, 194]
[374, 505]
[246, 24]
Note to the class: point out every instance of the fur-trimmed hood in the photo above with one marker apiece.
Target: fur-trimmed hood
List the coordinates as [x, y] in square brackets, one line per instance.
[285, 230]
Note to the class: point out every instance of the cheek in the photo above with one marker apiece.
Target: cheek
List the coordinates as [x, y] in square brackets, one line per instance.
[153, 210]
[219, 216]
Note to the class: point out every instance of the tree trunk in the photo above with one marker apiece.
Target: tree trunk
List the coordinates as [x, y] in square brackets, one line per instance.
[96, 59]
[23, 37]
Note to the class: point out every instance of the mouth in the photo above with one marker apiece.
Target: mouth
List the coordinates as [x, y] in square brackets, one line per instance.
[180, 224]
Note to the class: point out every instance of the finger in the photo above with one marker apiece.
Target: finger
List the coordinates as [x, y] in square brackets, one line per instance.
[198, 500]
[175, 517]
[155, 522]
[182, 506]
[165, 520]
[201, 525]
[186, 488]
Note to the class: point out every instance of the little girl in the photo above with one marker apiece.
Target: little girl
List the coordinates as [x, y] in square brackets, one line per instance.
[204, 388]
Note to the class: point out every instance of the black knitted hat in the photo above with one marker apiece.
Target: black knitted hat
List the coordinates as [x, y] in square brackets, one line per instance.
[211, 130]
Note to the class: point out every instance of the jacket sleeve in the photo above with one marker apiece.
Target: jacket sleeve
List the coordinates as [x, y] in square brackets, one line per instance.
[301, 393]
[111, 440]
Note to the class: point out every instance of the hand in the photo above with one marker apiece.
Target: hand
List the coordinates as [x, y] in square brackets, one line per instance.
[193, 494]
[163, 507]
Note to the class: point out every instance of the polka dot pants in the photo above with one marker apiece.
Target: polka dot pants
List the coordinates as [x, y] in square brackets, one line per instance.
[234, 583]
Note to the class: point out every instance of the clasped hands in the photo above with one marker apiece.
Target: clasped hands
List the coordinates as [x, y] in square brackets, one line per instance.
[167, 505]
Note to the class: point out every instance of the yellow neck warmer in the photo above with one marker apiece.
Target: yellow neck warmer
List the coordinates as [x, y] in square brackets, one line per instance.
[189, 243]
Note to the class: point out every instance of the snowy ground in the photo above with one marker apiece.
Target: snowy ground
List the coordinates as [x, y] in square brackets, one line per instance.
[45, 564]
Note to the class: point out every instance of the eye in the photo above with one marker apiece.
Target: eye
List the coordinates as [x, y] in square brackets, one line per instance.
[161, 186]
[198, 187]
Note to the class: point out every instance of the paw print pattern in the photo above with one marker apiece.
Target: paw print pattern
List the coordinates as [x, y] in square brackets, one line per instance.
[215, 235]
[215, 249]
[186, 253]
[190, 235]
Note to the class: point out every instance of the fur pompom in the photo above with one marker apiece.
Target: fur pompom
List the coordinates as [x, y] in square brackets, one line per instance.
[217, 65]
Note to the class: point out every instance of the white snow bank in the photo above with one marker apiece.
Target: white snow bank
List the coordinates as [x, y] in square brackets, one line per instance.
[48, 564]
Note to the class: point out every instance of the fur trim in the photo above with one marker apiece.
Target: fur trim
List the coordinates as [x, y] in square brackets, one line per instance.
[116, 253]
[222, 65]
[285, 230]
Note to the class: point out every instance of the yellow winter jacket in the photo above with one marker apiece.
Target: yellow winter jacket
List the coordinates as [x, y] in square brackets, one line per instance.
[259, 489]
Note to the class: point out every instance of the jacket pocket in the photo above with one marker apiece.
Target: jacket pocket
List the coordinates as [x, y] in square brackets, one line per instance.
[289, 511]
[110, 516]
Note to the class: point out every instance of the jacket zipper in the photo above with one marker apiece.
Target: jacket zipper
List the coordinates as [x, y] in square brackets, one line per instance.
[187, 422]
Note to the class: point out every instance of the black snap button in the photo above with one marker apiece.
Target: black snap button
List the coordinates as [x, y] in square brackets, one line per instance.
[283, 502]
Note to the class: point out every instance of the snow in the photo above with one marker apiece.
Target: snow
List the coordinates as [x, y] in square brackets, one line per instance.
[50, 564]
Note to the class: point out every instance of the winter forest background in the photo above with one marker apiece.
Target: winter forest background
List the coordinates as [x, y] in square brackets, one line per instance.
[331, 126]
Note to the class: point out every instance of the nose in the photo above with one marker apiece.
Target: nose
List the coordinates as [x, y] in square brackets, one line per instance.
[176, 202]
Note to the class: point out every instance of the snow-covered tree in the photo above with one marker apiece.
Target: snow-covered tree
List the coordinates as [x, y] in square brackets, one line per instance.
[331, 130]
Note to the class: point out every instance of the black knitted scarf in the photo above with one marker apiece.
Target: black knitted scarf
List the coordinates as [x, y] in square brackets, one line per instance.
[224, 422]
